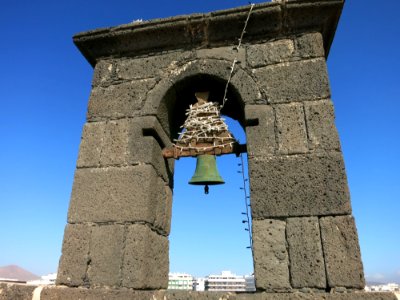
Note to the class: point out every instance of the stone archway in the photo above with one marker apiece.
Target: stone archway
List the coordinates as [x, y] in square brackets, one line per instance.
[119, 217]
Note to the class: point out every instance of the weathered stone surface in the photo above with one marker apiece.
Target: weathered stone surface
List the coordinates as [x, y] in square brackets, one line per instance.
[23, 292]
[125, 194]
[74, 260]
[294, 81]
[298, 185]
[227, 53]
[121, 143]
[258, 26]
[261, 55]
[164, 211]
[261, 138]
[60, 293]
[320, 118]
[342, 252]
[14, 291]
[307, 267]
[271, 262]
[106, 246]
[291, 128]
[150, 66]
[91, 144]
[119, 100]
[246, 87]
[104, 73]
[310, 45]
[146, 259]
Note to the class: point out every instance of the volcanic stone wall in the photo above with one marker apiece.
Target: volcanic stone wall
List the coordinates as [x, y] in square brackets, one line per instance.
[120, 210]
[304, 236]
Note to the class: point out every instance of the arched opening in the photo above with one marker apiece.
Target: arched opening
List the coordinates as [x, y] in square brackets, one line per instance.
[182, 94]
[209, 233]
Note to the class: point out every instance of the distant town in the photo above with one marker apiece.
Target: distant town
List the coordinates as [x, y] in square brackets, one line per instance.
[224, 282]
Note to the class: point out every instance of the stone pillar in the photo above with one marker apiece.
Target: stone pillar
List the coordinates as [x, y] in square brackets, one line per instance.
[304, 234]
[120, 209]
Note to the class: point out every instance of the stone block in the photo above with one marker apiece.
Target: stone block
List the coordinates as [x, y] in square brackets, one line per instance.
[320, 119]
[60, 293]
[226, 53]
[260, 138]
[91, 144]
[121, 143]
[146, 259]
[106, 249]
[261, 55]
[291, 128]
[125, 194]
[150, 66]
[74, 259]
[104, 73]
[246, 87]
[294, 81]
[307, 268]
[271, 262]
[119, 100]
[164, 211]
[310, 45]
[16, 291]
[342, 252]
[298, 185]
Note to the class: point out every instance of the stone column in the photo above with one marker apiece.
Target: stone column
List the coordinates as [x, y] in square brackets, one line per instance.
[120, 209]
[304, 234]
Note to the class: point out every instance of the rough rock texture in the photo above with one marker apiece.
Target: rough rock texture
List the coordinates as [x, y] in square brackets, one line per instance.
[106, 250]
[260, 137]
[74, 260]
[269, 53]
[291, 127]
[342, 252]
[294, 81]
[145, 259]
[121, 143]
[13, 291]
[320, 120]
[310, 45]
[271, 261]
[307, 267]
[126, 194]
[298, 185]
[57, 293]
[116, 101]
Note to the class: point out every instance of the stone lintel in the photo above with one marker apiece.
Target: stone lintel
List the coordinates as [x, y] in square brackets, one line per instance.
[268, 20]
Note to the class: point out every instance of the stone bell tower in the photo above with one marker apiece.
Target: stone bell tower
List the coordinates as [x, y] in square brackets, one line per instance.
[305, 243]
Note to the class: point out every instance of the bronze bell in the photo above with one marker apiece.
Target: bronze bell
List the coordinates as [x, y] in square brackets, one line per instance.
[206, 172]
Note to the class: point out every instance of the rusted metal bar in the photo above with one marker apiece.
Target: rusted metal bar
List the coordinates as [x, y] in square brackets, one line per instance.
[174, 152]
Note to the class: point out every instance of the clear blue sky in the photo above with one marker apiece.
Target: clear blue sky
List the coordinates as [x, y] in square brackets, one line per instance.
[44, 90]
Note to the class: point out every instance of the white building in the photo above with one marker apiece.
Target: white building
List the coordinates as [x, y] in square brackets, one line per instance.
[180, 281]
[49, 279]
[199, 284]
[226, 281]
[388, 287]
[250, 283]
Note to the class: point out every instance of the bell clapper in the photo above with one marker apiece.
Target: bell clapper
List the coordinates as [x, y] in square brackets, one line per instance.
[206, 189]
